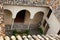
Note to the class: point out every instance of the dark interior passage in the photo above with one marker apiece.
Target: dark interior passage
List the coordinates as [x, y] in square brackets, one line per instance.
[20, 16]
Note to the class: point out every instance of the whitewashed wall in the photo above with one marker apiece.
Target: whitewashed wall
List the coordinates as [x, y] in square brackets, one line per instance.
[54, 25]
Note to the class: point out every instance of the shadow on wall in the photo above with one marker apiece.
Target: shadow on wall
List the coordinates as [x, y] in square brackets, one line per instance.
[7, 17]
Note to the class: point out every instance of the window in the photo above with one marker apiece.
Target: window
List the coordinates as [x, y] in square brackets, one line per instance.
[47, 28]
[58, 32]
[49, 13]
[44, 23]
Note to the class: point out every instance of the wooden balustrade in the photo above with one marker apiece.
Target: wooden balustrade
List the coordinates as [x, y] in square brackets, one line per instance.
[30, 37]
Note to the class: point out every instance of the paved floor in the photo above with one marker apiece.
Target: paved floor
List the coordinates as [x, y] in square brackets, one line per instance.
[34, 31]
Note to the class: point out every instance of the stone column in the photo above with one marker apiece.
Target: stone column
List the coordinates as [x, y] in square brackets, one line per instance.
[2, 25]
[12, 24]
[29, 23]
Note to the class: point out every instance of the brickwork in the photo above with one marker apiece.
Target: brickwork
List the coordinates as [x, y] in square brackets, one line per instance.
[2, 29]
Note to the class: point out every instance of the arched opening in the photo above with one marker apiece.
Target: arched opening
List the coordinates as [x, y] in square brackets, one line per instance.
[7, 20]
[7, 17]
[22, 16]
[36, 22]
[22, 20]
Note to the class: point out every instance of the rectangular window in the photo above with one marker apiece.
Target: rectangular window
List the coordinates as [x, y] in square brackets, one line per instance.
[49, 13]
[44, 23]
[58, 32]
[47, 28]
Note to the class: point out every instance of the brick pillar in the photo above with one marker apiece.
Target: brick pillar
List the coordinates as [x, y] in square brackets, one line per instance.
[2, 26]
